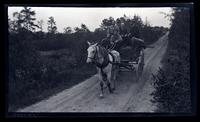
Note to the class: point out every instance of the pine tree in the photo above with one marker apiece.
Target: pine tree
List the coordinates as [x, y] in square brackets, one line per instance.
[40, 25]
[52, 25]
[28, 18]
[68, 30]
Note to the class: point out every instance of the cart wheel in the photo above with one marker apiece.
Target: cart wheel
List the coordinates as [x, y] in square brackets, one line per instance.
[140, 66]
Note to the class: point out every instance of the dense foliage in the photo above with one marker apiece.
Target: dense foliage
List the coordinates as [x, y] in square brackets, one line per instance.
[172, 82]
[43, 63]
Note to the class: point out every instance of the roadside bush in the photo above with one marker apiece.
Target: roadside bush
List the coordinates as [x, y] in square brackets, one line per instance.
[33, 77]
[172, 82]
[24, 67]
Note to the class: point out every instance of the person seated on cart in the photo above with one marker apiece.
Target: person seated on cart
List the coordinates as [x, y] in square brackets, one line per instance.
[113, 38]
[121, 36]
[116, 39]
[123, 31]
[105, 42]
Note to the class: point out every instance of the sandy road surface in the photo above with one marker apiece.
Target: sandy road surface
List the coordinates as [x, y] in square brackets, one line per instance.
[130, 96]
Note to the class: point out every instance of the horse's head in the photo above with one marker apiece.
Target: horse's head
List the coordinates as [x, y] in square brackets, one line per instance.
[92, 52]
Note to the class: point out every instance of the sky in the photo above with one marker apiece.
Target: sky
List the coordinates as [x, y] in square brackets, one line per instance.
[92, 17]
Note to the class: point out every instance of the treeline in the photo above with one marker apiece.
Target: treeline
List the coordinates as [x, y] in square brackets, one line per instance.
[172, 83]
[43, 63]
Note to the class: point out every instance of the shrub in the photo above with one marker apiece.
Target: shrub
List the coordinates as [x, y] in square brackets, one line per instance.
[172, 82]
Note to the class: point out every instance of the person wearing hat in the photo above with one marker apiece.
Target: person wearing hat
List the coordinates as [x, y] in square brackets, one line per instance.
[109, 41]
[112, 36]
[124, 33]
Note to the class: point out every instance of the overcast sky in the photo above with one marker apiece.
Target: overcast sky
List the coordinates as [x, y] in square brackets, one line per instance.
[92, 17]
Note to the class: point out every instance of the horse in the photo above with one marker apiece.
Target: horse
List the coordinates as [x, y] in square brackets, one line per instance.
[106, 64]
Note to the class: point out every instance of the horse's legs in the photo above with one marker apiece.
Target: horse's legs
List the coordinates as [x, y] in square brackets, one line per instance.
[101, 85]
[109, 82]
[109, 87]
[100, 78]
[115, 72]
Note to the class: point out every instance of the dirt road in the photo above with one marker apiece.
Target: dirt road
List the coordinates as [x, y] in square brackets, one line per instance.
[130, 96]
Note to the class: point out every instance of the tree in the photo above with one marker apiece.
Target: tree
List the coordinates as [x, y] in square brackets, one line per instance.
[77, 29]
[40, 25]
[107, 22]
[16, 23]
[168, 16]
[135, 25]
[11, 25]
[98, 30]
[52, 25]
[147, 23]
[28, 18]
[84, 28]
[68, 30]
[23, 20]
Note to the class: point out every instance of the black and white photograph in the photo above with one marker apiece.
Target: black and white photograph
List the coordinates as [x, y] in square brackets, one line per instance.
[117, 59]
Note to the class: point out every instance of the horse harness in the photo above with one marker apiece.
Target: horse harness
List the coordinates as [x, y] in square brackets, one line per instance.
[105, 63]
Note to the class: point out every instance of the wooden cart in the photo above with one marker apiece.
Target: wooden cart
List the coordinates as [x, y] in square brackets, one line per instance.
[131, 60]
